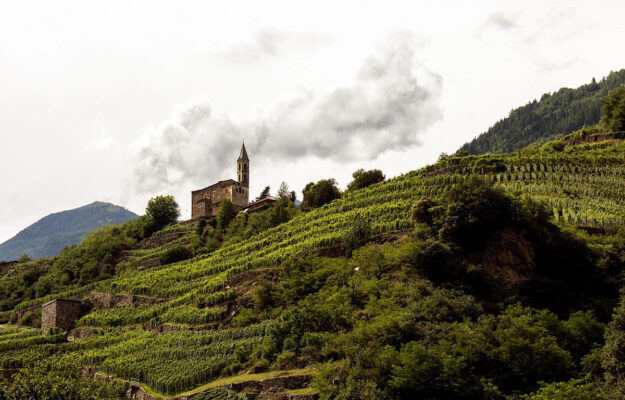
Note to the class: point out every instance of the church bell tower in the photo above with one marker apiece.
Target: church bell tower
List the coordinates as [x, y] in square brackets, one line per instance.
[243, 168]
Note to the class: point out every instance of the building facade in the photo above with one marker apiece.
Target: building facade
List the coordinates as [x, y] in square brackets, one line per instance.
[206, 202]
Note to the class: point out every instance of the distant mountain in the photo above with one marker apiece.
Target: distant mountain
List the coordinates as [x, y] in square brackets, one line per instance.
[48, 236]
[553, 116]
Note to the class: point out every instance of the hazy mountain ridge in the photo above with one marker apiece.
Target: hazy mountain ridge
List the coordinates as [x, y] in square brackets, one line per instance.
[48, 236]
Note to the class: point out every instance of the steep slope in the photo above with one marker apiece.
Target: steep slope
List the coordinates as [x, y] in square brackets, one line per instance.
[211, 319]
[552, 117]
[48, 236]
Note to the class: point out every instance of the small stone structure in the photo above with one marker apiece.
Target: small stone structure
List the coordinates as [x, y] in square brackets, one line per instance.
[60, 313]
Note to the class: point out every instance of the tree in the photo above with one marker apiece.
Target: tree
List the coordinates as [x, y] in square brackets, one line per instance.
[292, 196]
[320, 193]
[265, 193]
[226, 214]
[164, 209]
[364, 178]
[613, 111]
[283, 191]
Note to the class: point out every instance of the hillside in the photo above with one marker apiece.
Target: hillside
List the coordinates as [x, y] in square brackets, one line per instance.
[48, 236]
[428, 285]
[552, 117]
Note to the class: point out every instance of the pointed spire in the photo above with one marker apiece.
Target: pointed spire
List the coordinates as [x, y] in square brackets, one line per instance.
[243, 154]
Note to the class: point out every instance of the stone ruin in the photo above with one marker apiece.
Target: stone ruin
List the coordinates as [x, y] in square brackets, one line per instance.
[60, 313]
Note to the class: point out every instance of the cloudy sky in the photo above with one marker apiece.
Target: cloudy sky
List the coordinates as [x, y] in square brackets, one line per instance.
[119, 101]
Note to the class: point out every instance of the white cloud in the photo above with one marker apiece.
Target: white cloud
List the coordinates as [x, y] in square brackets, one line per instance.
[269, 42]
[391, 101]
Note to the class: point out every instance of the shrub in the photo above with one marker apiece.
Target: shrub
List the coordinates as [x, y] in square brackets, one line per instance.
[363, 178]
[320, 193]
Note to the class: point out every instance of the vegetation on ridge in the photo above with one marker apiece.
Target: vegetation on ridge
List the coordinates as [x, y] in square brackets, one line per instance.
[552, 117]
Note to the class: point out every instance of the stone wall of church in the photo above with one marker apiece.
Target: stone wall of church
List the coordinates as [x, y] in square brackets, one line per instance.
[230, 190]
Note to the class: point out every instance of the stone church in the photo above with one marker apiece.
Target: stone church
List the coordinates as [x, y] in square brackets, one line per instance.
[205, 202]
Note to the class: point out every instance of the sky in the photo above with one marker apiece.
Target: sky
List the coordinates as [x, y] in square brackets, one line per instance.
[120, 101]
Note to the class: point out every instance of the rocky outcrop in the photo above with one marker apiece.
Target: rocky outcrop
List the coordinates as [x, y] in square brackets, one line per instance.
[509, 258]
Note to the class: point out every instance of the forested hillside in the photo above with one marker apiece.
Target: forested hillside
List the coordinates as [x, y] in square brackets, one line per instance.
[553, 116]
[48, 236]
[491, 276]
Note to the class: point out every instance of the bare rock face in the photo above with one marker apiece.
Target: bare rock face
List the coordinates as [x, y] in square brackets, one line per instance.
[509, 258]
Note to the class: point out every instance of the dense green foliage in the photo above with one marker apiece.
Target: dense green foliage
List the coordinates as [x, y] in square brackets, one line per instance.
[552, 117]
[320, 193]
[613, 111]
[51, 234]
[226, 213]
[265, 193]
[163, 209]
[363, 178]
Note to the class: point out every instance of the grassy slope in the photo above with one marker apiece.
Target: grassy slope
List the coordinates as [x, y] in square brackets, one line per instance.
[582, 184]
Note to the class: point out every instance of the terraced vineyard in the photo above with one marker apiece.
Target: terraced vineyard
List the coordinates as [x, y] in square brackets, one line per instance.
[583, 185]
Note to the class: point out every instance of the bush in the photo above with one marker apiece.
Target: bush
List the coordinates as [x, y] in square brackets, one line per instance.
[357, 235]
[176, 254]
[363, 178]
[320, 193]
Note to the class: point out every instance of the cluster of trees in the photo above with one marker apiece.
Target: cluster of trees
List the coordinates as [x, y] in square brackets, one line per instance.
[552, 117]
[613, 111]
